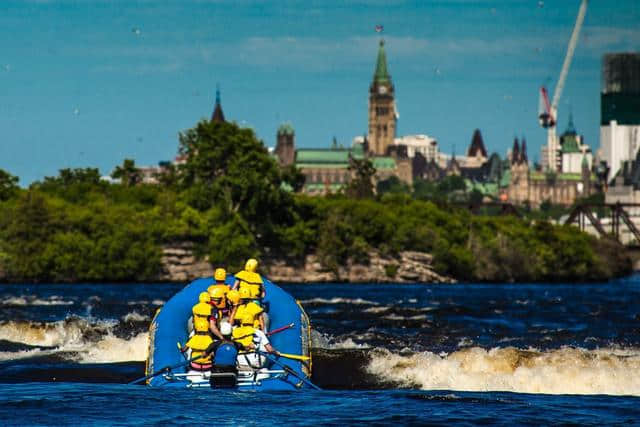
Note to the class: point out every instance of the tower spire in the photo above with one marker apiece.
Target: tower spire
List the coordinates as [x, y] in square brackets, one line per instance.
[382, 74]
[218, 115]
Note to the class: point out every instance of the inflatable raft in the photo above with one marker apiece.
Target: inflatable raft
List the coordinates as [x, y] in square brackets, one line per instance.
[169, 327]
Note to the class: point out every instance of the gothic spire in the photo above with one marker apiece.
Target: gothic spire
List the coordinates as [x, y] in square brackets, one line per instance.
[515, 152]
[382, 74]
[477, 145]
[571, 129]
[218, 115]
[523, 151]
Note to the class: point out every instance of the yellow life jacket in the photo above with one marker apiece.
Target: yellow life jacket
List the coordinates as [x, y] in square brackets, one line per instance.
[243, 335]
[252, 281]
[201, 314]
[198, 344]
[225, 289]
[253, 309]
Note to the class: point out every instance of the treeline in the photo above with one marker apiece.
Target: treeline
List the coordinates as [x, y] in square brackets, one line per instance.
[232, 201]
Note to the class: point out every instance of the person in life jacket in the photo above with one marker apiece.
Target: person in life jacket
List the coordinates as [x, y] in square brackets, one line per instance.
[251, 339]
[225, 351]
[201, 340]
[249, 308]
[248, 278]
[219, 304]
[219, 276]
[205, 319]
[233, 300]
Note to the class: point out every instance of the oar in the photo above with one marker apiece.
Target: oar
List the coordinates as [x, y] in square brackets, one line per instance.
[294, 356]
[275, 331]
[290, 371]
[165, 370]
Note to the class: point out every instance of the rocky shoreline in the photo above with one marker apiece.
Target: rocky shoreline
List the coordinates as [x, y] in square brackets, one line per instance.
[179, 264]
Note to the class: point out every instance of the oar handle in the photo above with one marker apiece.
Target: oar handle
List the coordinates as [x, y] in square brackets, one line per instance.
[275, 331]
[165, 369]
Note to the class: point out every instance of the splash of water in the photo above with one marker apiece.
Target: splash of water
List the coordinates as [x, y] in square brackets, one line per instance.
[565, 370]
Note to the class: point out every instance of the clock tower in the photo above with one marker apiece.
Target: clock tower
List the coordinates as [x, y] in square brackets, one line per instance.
[382, 107]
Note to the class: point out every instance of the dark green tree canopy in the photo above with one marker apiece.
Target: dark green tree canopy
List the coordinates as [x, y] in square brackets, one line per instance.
[128, 173]
[8, 185]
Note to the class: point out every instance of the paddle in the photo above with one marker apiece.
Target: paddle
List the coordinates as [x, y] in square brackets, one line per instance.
[294, 356]
[288, 370]
[165, 370]
[275, 331]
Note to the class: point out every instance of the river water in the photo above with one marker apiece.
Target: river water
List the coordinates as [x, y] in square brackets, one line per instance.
[407, 354]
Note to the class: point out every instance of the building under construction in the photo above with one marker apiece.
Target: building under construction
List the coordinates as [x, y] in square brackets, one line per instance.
[620, 109]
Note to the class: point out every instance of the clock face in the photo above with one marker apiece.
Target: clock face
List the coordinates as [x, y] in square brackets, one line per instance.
[382, 90]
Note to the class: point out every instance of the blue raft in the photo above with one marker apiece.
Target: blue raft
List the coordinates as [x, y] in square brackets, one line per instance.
[169, 327]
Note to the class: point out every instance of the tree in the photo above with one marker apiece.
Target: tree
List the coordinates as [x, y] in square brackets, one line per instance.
[362, 173]
[228, 167]
[128, 174]
[8, 185]
[294, 177]
[393, 184]
[168, 175]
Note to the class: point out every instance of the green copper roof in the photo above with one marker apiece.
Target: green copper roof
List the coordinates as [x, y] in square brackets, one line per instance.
[322, 165]
[383, 163]
[312, 156]
[286, 129]
[506, 179]
[381, 75]
[570, 144]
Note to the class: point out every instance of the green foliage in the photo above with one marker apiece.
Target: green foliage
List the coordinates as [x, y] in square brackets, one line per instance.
[392, 185]
[8, 185]
[361, 184]
[127, 173]
[390, 270]
[293, 177]
[228, 201]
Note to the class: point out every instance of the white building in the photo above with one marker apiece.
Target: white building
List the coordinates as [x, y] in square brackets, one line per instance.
[423, 144]
[618, 143]
[620, 109]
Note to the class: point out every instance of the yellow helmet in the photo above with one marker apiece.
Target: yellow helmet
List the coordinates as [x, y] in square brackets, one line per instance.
[244, 293]
[251, 265]
[220, 274]
[233, 296]
[247, 319]
[204, 297]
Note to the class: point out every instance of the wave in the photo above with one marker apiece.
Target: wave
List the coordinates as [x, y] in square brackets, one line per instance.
[32, 300]
[338, 300]
[566, 370]
[76, 339]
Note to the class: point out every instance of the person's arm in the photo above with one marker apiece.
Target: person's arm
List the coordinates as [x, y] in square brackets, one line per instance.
[270, 349]
[235, 285]
[261, 321]
[213, 326]
[232, 316]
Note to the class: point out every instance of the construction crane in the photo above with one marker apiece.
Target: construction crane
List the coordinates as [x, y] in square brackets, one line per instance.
[548, 111]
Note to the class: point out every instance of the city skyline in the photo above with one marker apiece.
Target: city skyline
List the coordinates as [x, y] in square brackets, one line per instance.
[87, 84]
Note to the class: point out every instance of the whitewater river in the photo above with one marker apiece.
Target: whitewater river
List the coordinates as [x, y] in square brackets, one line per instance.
[404, 354]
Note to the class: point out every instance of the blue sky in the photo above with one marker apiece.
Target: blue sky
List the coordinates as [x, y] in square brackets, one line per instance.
[80, 88]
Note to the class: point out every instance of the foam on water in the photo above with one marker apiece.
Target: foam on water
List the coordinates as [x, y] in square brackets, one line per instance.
[565, 370]
[338, 300]
[76, 339]
[32, 300]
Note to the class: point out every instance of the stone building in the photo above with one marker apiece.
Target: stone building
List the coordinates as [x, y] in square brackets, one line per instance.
[285, 145]
[382, 107]
[327, 169]
[536, 187]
